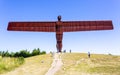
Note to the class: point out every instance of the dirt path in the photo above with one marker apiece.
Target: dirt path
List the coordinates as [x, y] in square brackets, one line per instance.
[56, 65]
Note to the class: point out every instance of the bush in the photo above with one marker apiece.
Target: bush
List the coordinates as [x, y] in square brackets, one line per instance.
[22, 53]
[43, 52]
[20, 60]
[36, 52]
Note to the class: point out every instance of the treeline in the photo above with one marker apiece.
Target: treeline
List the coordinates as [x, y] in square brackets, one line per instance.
[22, 53]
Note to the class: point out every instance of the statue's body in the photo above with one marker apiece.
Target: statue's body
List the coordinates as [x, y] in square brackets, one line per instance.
[59, 27]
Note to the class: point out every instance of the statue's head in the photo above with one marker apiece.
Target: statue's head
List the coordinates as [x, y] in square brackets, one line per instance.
[59, 18]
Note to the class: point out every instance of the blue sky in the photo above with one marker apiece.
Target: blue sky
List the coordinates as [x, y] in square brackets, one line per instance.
[71, 10]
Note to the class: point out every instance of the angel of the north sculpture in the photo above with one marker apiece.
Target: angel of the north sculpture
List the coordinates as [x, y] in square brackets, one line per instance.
[59, 27]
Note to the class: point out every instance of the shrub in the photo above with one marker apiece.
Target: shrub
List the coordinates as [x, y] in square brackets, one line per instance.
[22, 53]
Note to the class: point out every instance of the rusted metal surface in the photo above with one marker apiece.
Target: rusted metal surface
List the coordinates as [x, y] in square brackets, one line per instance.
[59, 27]
[32, 26]
[86, 26]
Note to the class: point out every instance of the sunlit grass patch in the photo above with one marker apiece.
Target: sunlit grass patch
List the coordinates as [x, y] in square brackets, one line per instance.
[38, 65]
[8, 64]
[104, 69]
[35, 65]
[98, 64]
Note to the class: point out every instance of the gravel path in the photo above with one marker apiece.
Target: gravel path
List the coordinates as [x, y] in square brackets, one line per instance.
[56, 65]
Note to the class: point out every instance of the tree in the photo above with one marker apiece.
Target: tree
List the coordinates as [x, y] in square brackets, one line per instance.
[16, 54]
[43, 52]
[12, 54]
[36, 52]
[22, 53]
[6, 54]
[0, 53]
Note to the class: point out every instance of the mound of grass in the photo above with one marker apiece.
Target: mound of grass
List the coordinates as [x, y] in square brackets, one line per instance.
[8, 64]
[35, 65]
[38, 65]
[98, 64]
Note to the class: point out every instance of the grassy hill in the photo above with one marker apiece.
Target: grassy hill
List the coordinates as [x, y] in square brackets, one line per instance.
[73, 64]
[98, 64]
[36, 65]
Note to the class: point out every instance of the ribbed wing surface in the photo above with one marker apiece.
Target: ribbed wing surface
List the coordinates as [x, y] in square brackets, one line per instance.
[70, 26]
[32, 26]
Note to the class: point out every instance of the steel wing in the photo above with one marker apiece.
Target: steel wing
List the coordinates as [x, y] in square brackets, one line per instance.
[32, 26]
[70, 26]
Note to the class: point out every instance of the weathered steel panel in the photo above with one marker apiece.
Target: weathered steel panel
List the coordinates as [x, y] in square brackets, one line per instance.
[32, 26]
[71, 26]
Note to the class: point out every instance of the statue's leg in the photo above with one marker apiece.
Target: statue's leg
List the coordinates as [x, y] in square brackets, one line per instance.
[59, 42]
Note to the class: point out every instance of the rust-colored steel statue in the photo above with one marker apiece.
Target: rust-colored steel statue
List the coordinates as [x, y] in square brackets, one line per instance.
[59, 27]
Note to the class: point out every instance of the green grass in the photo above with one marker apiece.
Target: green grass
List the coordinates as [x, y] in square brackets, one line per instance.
[39, 64]
[80, 64]
[73, 64]
[35, 65]
[8, 64]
